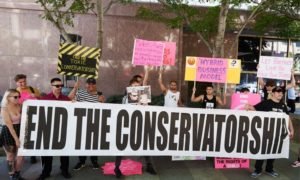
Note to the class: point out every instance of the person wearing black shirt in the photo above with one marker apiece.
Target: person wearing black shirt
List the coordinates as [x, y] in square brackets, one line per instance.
[209, 100]
[274, 104]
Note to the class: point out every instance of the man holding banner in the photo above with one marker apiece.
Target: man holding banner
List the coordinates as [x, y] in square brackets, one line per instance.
[89, 94]
[55, 94]
[274, 104]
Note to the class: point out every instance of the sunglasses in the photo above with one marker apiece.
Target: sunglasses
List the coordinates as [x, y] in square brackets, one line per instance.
[58, 86]
[16, 97]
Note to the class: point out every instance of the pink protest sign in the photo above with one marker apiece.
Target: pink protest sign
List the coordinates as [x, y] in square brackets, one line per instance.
[211, 70]
[169, 53]
[238, 100]
[221, 163]
[148, 52]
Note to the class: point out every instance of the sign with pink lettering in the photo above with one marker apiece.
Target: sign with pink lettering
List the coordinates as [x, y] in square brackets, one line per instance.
[169, 53]
[275, 67]
[221, 163]
[238, 100]
[212, 70]
[148, 52]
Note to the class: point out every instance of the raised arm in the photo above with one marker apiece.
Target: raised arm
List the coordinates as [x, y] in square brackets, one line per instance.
[73, 92]
[220, 101]
[292, 83]
[146, 76]
[198, 98]
[261, 82]
[161, 84]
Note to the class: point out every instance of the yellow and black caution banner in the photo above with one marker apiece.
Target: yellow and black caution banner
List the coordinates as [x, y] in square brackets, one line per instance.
[76, 60]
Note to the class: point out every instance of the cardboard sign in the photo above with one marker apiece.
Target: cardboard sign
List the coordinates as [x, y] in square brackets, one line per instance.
[190, 68]
[169, 53]
[76, 60]
[275, 67]
[238, 100]
[222, 163]
[138, 95]
[187, 158]
[212, 70]
[63, 128]
[148, 53]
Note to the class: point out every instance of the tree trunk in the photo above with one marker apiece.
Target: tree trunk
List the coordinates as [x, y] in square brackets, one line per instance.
[99, 43]
[218, 50]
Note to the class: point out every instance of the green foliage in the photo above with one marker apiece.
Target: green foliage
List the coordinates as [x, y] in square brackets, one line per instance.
[63, 11]
[278, 25]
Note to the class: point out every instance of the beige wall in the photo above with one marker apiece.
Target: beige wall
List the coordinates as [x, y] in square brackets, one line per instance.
[29, 45]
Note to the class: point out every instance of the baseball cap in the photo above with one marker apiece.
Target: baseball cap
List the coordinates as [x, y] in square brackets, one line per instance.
[91, 81]
[277, 89]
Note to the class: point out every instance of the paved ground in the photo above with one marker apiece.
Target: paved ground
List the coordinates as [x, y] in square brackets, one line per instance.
[170, 170]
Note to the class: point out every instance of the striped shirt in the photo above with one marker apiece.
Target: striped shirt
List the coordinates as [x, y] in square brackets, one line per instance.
[83, 96]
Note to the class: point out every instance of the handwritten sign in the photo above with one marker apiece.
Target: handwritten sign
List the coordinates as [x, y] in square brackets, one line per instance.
[275, 67]
[169, 53]
[221, 163]
[238, 100]
[148, 52]
[211, 70]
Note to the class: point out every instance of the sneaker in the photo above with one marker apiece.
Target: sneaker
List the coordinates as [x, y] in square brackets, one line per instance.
[95, 165]
[79, 166]
[255, 174]
[272, 173]
[296, 164]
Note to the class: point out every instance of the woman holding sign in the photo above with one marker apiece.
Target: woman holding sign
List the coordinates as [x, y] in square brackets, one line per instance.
[11, 113]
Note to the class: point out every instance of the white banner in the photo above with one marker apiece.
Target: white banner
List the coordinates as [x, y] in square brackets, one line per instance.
[275, 67]
[59, 128]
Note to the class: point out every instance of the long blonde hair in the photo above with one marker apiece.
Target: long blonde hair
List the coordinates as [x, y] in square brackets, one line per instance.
[5, 96]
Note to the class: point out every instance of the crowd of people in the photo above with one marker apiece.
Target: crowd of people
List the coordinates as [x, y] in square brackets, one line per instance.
[13, 99]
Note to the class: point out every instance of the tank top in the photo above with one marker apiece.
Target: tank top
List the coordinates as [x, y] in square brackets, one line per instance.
[171, 99]
[209, 103]
[16, 119]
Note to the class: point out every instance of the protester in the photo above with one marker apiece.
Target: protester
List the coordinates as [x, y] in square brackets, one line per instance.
[245, 91]
[171, 94]
[273, 104]
[11, 114]
[56, 95]
[270, 84]
[149, 167]
[209, 100]
[26, 92]
[89, 94]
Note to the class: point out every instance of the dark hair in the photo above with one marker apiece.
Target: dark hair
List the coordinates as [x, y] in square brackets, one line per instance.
[173, 81]
[210, 85]
[244, 90]
[270, 83]
[133, 81]
[55, 79]
[137, 76]
[19, 76]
